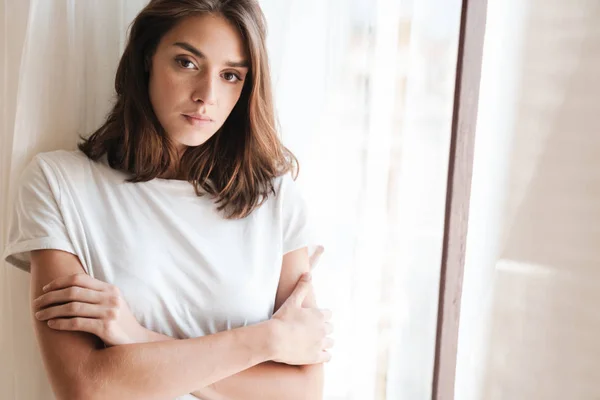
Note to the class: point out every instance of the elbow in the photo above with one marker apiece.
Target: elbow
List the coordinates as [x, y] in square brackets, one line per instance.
[74, 396]
[87, 393]
[82, 386]
[314, 379]
[79, 391]
[71, 393]
[69, 386]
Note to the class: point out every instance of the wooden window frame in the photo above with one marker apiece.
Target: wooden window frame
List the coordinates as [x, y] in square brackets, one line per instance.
[460, 171]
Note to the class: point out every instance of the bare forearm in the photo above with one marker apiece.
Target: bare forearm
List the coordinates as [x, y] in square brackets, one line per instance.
[274, 381]
[265, 381]
[167, 369]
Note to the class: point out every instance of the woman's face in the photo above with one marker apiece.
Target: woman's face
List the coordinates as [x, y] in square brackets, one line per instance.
[196, 78]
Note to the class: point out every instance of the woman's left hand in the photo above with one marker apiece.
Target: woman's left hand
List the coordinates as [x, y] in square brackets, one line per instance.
[81, 303]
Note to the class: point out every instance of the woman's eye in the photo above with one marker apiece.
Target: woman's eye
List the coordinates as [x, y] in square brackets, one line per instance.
[186, 63]
[231, 77]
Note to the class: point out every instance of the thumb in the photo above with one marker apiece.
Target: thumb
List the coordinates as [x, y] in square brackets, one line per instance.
[301, 290]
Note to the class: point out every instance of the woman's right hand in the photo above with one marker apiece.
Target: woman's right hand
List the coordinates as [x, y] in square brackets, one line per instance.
[302, 333]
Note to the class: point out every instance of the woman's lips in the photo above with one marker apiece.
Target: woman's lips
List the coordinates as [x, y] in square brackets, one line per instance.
[197, 121]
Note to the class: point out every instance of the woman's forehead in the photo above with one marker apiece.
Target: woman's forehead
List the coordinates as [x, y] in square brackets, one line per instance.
[208, 36]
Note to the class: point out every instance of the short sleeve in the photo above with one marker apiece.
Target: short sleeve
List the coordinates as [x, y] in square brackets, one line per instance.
[36, 222]
[298, 227]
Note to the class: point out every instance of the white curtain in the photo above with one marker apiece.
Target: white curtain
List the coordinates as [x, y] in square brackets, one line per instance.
[59, 59]
[529, 320]
[365, 101]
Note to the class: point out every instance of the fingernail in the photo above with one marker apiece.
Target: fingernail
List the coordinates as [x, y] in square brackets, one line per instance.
[37, 314]
[51, 322]
[45, 288]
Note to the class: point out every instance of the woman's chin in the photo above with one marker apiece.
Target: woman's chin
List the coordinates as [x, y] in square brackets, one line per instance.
[193, 139]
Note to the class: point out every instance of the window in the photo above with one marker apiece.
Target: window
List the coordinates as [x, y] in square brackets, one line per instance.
[365, 93]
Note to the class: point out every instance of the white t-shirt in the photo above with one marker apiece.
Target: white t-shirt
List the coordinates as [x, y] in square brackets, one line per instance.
[184, 270]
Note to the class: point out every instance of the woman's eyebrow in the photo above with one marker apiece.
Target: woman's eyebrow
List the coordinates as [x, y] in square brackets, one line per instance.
[199, 54]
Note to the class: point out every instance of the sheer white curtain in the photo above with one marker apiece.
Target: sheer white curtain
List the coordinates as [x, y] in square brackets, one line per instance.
[364, 91]
[59, 59]
[529, 317]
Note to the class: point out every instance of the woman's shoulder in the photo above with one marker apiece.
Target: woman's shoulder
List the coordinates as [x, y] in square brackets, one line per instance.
[62, 159]
[287, 190]
[62, 167]
[46, 174]
[52, 164]
[282, 182]
[74, 163]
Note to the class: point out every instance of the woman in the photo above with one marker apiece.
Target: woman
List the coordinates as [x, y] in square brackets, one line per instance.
[170, 254]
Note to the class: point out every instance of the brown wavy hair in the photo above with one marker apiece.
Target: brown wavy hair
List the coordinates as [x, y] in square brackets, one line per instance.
[238, 163]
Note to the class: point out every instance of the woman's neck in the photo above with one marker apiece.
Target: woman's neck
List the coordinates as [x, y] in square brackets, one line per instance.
[174, 171]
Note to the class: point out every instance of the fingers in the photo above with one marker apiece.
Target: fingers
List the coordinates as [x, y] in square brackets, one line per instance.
[74, 309]
[328, 328]
[93, 326]
[328, 343]
[70, 294]
[80, 280]
[326, 313]
[302, 289]
[322, 313]
[325, 356]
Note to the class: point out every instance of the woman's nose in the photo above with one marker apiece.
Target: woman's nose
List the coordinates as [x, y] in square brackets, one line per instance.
[205, 92]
